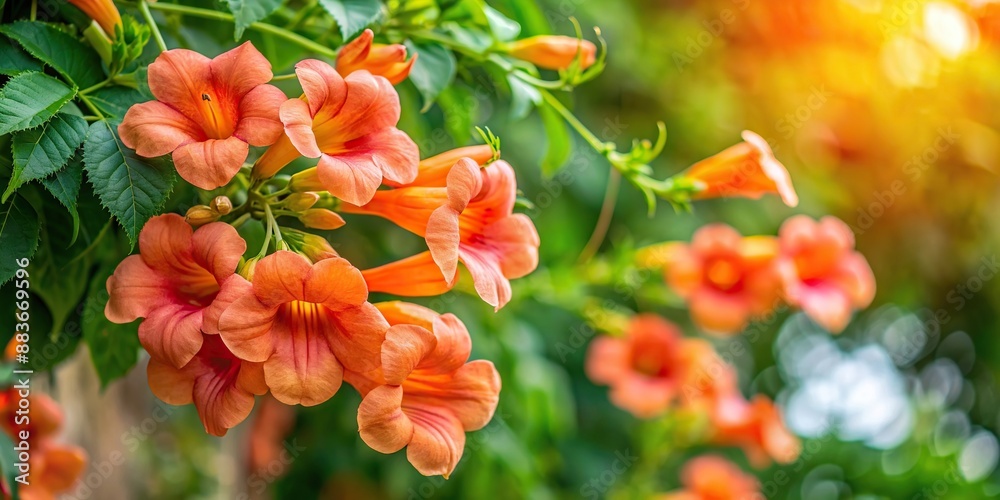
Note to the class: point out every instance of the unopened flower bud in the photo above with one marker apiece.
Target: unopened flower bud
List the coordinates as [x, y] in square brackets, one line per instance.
[306, 180]
[554, 52]
[321, 218]
[199, 215]
[316, 248]
[297, 202]
[222, 204]
[247, 268]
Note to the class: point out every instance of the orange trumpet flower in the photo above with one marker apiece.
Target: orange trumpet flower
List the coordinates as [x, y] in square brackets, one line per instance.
[388, 61]
[305, 322]
[416, 276]
[554, 52]
[172, 283]
[208, 113]
[470, 220]
[102, 11]
[748, 169]
[726, 279]
[821, 271]
[758, 428]
[427, 394]
[221, 386]
[712, 477]
[350, 125]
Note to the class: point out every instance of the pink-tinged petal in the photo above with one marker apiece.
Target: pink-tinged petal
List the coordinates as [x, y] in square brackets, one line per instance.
[443, 239]
[135, 290]
[643, 397]
[490, 283]
[364, 383]
[855, 277]
[217, 247]
[173, 386]
[438, 440]
[453, 346]
[837, 233]
[464, 182]
[381, 422]
[796, 232]
[372, 104]
[416, 276]
[251, 378]
[335, 283]
[165, 244]
[239, 70]
[608, 360]
[827, 305]
[155, 129]
[298, 127]
[260, 124]
[246, 328]
[352, 178]
[280, 278]
[178, 78]
[230, 290]
[516, 240]
[404, 348]
[172, 333]
[358, 336]
[683, 270]
[324, 88]
[221, 405]
[303, 369]
[356, 50]
[719, 313]
[393, 151]
[773, 168]
[473, 394]
[716, 239]
[212, 163]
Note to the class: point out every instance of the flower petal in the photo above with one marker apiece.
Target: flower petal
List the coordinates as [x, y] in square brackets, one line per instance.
[324, 88]
[134, 290]
[336, 284]
[358, 336]
[246, 328]
[381, 422]
[238, 71]
[719, 313]
[178, 78]
[297, 124]
[280, 278]
[352, 178]
[165, 244]
[372, 104]
[490, 283]
[230, 290]
[173, 386]
[172, 333]
[259, 122]
[404, 348]
[516, 240]
[155, 129]
[416, 276]
[453, 346]
[303, 369]
[218, 248]
[473, 394]
[212, 163]
[221, 405]
[438, 440]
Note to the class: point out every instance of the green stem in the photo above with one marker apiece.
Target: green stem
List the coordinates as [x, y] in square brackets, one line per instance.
[91, 105]
[148, 16]
[34, 10]
[96, 86]
[263, 27]
[240, 220]
[604, 220]
[571, 119]
[278, 78]
[267, 236]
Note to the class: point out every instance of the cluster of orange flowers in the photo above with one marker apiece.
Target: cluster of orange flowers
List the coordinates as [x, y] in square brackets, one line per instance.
[52, 467]
[221, 330]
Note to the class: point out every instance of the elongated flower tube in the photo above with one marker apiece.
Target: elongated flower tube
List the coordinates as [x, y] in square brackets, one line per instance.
[221, 386]
[748, 169]
[822, 272]
[350, 125]
[416, 276]
[207, 113]
[472, 220]
[427, 394]
[173, 281]
[305, 322]
[102, 11]
[554, 51]
[388, 61]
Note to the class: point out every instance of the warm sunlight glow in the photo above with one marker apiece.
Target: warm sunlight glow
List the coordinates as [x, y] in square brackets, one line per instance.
[948, 29]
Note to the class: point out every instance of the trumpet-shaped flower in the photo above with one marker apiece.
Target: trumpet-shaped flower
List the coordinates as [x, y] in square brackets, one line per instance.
[726, 279]
[822, 272]
[416, 276]
[712, 477]
[350, 125]
[652, 366]
[172, 282]
[748, 169]
[305, 322]
[207, 112]
[221, 386]
[427, 394]
[102, 11]
[554, 52]
[470, 220]
[757, 427]
[388, 61]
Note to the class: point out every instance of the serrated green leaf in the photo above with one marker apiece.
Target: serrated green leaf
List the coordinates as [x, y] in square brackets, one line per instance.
[132, 188]
[30, 99]
[559, 142]
[247, 12]
[114, 348]
[433, 71]
[19, 230]
[13, 60]
[64, 186]
[115, 101]
[65, 54]
[42, 151]
[352, 16]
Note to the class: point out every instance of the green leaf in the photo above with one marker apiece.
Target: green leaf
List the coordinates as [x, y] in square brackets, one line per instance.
[42, 151]
[503, 27]
[132, 188]
[13, 60]
[19, 230]
[459, 106]
[64, 186]
[116, 100]
[30, 99]
[559, 141]
[352, 16]
[524, 97]
[248, 12]
[67, 55]
[433, 71]
[114, 348]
